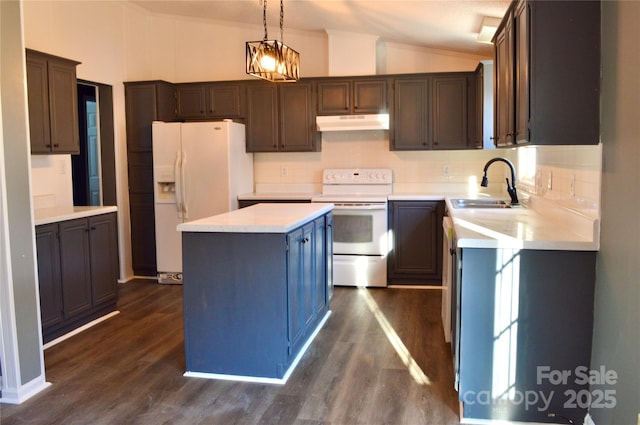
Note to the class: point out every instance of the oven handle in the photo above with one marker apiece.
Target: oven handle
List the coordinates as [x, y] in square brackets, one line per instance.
[370, 207]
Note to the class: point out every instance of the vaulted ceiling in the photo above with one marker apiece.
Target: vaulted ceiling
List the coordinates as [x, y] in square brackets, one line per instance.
[440, 24]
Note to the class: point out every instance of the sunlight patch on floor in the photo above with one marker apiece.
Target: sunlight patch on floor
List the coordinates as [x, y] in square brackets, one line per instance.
[414, 369]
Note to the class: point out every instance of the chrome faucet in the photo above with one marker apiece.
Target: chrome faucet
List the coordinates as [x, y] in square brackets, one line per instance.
[511, 187]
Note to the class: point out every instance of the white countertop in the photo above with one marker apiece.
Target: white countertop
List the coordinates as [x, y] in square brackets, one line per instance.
[56, 214]
[260, 218]
[534, 226]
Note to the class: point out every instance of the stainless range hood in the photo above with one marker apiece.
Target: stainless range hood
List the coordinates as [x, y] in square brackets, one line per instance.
[353, 122]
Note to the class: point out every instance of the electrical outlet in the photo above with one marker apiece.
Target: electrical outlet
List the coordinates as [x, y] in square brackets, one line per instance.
[284, 171]
[446, 171]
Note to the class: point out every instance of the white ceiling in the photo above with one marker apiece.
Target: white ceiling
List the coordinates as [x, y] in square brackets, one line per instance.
[441, 24]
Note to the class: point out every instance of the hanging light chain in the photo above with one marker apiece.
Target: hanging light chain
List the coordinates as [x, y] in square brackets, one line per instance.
[264, 19]
[281, 21]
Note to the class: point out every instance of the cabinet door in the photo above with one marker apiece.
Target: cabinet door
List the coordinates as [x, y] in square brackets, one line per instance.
[295, 322]
[417, 250]
[47, 247]
[504, 93]
[104, 258]
[521, 113]
[328, 253]
[334, 98]
[145, 103]
[449, 112]
[370, 96]
[410, 115]
[75, 267]
[63, 107]
[191, 101]
[262, 118]
[297, 126]
[38, 100]
[308, 274]
[476, 110]
[225, 100]
[320, 266]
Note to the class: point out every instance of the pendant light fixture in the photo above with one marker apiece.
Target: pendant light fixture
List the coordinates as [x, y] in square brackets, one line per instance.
[272, 60]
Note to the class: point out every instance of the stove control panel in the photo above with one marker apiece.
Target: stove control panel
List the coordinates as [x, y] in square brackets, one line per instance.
[357, 176]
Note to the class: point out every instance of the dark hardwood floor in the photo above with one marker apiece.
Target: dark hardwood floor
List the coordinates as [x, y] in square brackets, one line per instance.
[128, 369]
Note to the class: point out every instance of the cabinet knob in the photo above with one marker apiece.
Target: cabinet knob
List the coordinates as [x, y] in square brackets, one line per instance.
[55, 145]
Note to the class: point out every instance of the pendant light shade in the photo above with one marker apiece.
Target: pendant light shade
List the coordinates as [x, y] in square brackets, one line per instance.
[272, 60]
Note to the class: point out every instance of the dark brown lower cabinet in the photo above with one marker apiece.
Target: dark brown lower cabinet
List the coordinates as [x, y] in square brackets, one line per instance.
[77, 272]
[415, 255]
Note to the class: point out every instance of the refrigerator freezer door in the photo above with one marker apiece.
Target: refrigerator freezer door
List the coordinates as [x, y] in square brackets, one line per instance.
[168, 239]
[166, 159]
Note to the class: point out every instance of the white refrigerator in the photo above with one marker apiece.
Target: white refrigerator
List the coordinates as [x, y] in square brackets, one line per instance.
[199, 168]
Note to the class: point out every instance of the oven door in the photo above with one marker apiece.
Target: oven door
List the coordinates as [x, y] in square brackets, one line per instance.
[360, 229]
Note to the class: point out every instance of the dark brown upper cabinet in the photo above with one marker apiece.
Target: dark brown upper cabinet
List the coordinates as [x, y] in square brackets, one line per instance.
[280, 118]
[53, 104]
[434, 111]
[547, 74]
[504, 96]
[201, 101]
[337, 96]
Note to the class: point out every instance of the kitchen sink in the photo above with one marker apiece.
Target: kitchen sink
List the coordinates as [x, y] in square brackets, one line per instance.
[480, 203]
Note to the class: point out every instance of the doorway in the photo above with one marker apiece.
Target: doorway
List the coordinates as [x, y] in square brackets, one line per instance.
[85, 167]
[93, 169]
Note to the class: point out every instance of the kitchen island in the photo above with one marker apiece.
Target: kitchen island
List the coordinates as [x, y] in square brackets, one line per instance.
[255, 290]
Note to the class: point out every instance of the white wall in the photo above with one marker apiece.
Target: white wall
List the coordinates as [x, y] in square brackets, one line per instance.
[92, 33]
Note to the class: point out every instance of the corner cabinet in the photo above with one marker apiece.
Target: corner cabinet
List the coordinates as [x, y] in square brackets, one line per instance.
[53, 104]
[434, 111]
[339, 96]
[253, 300]
[145, 102]
[547, 74]
[415, 255]
[77, 272]
[280, 118]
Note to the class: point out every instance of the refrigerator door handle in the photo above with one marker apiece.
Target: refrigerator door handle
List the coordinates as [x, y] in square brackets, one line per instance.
[183, 186]
[177, 166]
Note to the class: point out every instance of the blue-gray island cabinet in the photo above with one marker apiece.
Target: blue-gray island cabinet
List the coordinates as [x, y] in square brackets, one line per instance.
[256, 289]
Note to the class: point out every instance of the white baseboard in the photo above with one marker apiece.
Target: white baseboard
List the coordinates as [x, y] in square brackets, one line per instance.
[588, 420]
[80, 329]
[25, 392]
